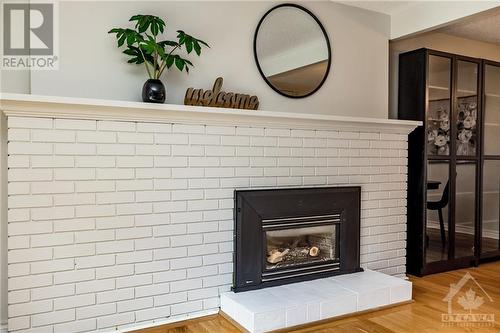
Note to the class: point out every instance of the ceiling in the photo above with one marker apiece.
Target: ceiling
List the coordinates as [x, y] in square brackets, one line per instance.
[410, 17]
[384, 7]
[484, 27]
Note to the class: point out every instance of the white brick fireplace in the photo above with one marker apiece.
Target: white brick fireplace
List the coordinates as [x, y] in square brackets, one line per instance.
[120, 214]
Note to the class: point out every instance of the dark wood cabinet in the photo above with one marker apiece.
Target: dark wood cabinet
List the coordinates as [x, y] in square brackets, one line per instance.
[454, 159]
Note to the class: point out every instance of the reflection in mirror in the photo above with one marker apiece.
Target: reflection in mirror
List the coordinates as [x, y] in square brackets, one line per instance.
[438, 198]
[292, 50]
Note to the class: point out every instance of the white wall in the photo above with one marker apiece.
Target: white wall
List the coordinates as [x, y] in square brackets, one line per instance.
[13, 81]
[92, 66]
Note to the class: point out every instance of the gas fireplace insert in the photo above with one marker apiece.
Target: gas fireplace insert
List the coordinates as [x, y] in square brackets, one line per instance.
[291, 235]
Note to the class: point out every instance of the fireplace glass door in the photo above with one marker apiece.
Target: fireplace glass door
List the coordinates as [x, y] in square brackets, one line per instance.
[287, 248]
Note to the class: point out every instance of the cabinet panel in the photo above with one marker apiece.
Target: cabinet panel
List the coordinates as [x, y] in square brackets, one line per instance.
[438, 203]
[491, 206]
[465, 209]
[438, 112]
[492, 110]
[466, 110]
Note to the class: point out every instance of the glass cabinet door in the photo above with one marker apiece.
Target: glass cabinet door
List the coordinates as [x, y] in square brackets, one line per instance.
[491, 110]
[453, 156]
[465, 209]
[491, 166]
[466, 109]
[438, 214]
[491, 207]
[438, 114]
[465, 133]
[438, 154]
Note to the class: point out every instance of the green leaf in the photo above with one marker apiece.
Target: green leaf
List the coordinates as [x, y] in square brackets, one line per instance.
[190, 42]
[158, 24]
[202, 42]
[161, 51]
[130, 39]
[197, 47]
[160, 21]
[142, 25]
[115, 30]
[167, 43]
[151, 22]
[136, 55]
[121, 40]
[148, 46]
[169, 61]
[138, 36]
[131, 52]
[154, 28]
[135, 18]
[181, 36]
[189, 45]
[179, 63]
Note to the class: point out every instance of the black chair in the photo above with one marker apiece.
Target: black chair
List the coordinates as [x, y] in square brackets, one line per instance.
[439, 205]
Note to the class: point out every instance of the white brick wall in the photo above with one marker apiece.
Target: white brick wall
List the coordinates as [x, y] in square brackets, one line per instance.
[120, 224]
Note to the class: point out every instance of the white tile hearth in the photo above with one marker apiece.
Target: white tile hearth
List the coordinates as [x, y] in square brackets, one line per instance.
[305, 302]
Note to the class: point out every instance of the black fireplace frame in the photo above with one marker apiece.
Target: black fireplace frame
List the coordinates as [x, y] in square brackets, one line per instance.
[251, 207]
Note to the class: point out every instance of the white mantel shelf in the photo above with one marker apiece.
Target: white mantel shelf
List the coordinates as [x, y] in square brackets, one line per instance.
[83, 108]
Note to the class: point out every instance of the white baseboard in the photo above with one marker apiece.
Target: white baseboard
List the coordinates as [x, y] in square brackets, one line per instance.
[3, 328]
[166, 321]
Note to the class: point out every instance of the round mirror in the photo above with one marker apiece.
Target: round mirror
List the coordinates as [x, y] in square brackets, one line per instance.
[292, 50]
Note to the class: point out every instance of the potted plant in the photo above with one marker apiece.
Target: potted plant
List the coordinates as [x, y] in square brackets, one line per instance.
[143, 47]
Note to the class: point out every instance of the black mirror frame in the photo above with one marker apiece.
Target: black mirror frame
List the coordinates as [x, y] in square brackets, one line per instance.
[327, 44]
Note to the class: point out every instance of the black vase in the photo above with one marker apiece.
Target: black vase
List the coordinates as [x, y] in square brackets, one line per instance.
[154, 91]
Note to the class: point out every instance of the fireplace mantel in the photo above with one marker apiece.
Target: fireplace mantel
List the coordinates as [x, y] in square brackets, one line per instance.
[99, 109]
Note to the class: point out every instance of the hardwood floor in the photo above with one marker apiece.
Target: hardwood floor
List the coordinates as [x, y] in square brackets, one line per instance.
[422, 316]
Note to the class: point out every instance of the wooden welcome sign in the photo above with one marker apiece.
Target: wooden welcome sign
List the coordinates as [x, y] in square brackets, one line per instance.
[220, 99]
